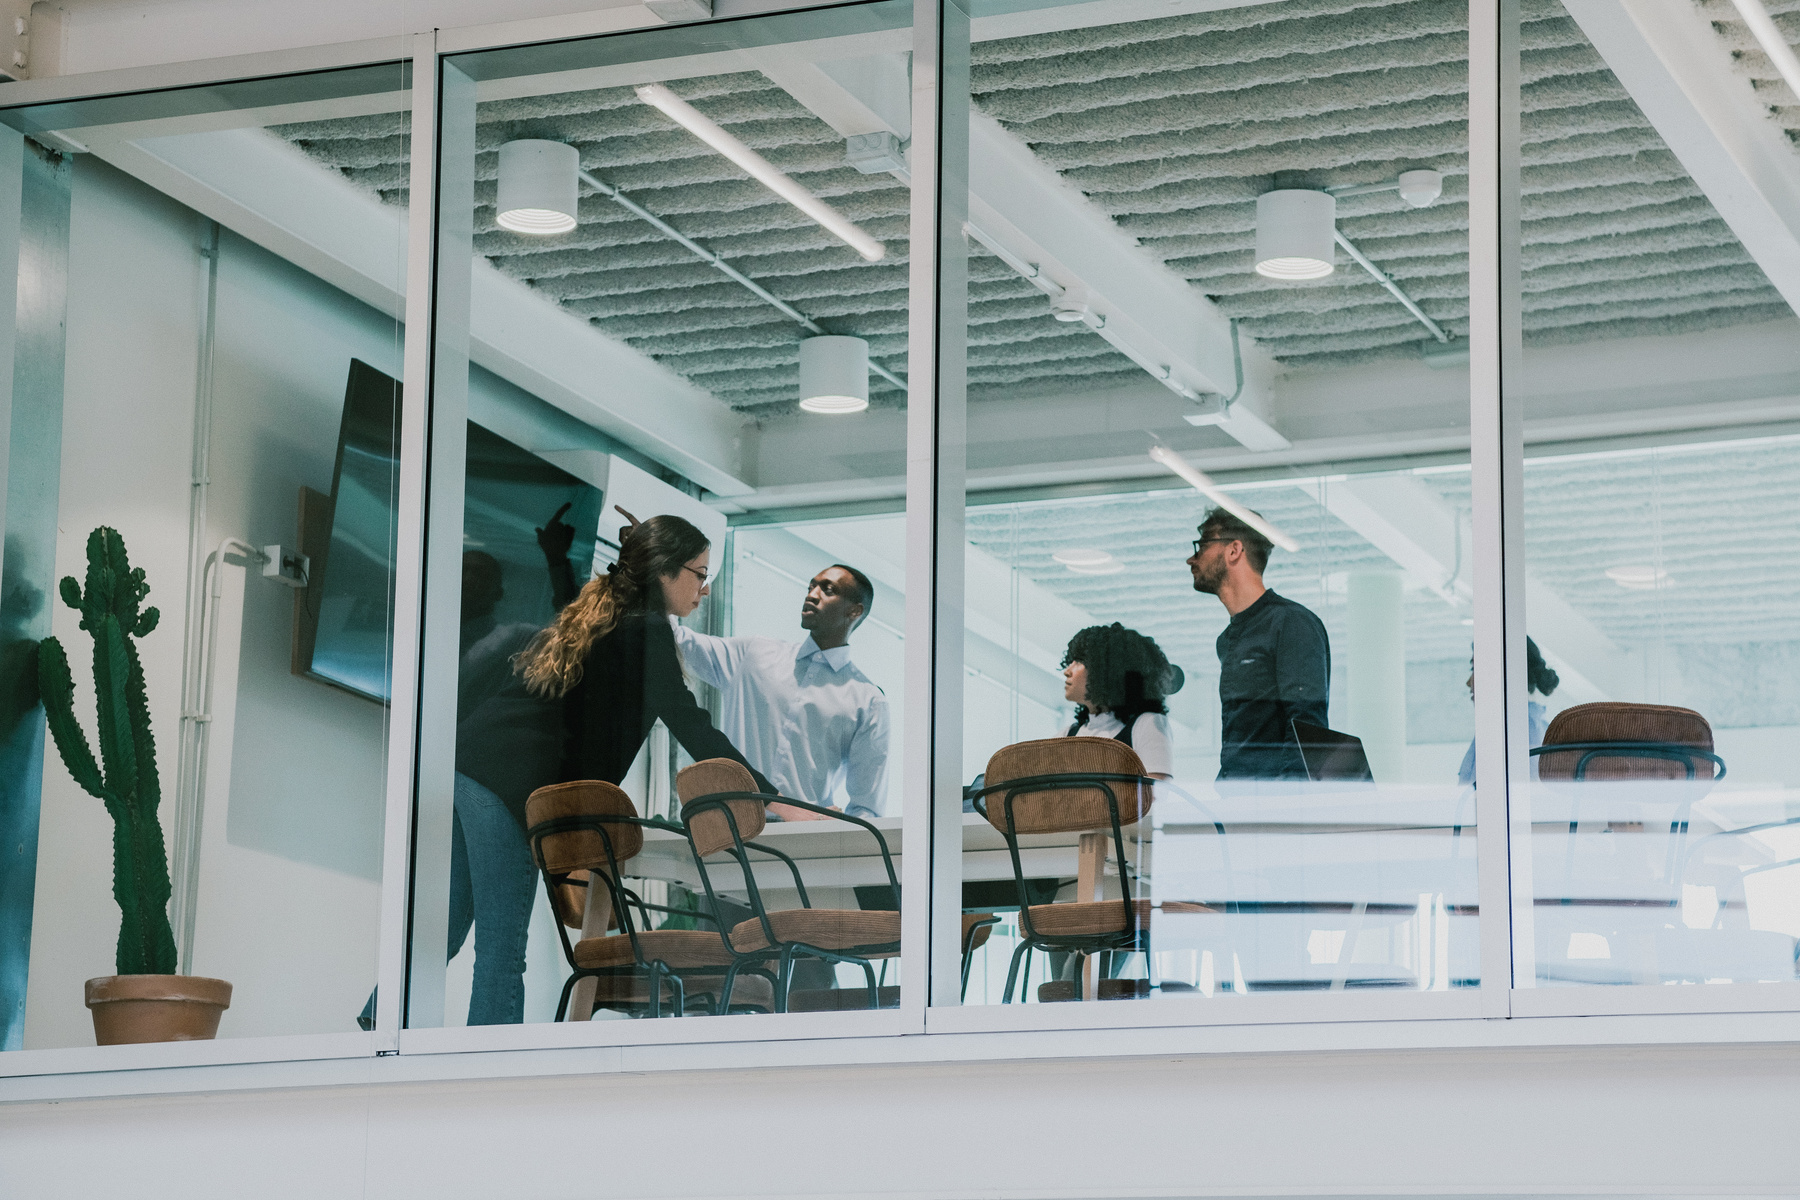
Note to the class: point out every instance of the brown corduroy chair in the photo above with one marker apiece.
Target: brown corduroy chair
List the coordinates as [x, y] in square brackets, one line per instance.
[1611, 740]
[591, 827]
[1617, 742]
[1069, 785]
[724, 814]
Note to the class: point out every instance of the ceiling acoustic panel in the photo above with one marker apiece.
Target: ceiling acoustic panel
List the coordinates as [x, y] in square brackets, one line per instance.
[1172, 127]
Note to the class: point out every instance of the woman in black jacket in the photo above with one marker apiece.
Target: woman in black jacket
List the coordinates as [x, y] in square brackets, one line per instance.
[610, 658]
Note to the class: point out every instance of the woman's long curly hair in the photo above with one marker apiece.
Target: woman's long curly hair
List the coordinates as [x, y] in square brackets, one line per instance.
[1127, 673]
[658, 547]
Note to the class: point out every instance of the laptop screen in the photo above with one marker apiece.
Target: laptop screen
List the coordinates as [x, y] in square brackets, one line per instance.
[1331, 756]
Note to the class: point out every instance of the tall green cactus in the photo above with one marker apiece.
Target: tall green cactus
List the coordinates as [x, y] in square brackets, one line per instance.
[126, 782]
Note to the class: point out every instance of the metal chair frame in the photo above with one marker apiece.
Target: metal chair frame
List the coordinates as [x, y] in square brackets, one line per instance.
[1679, 752]
[1130, 938]
[623, 898]
[788, 950]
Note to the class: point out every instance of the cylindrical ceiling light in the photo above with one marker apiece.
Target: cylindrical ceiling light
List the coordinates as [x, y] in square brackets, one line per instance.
[834, 374]
[1295, 231]
[539, 185]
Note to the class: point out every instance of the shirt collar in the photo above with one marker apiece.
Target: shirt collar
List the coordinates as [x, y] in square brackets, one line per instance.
[836, 658]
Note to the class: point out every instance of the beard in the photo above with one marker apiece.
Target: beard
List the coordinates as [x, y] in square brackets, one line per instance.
[1209, 579]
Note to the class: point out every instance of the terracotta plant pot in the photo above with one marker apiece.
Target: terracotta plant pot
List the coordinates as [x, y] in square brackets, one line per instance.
[156, 1008]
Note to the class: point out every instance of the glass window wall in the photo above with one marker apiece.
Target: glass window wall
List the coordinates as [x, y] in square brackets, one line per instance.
[1658, 515]
[202, 363]
[1215, 725]
[673, 282]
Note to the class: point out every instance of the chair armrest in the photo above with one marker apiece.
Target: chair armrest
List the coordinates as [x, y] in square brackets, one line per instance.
[837, 814]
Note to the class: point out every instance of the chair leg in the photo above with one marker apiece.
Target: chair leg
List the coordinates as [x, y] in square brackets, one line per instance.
[1012, 972]
[680, 989]
[562, 1006]
[724, 1002]
[784, 979]
[874, 990]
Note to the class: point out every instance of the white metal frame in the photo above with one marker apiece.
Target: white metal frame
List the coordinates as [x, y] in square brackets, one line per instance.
[1725, 1013]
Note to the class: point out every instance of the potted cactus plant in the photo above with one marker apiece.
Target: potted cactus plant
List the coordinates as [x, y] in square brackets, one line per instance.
[146, 1001]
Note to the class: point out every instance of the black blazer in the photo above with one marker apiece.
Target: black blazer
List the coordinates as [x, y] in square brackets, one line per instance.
[631, 677]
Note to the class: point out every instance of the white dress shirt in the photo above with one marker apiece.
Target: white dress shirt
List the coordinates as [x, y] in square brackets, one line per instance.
[806, 717]
[1149, 737]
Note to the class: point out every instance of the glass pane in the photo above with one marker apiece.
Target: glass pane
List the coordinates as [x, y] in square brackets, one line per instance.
[1658, 545]
[1218, 308]
[685, 294]
[207, 337]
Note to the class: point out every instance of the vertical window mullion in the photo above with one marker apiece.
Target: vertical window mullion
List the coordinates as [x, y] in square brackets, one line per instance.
[1497, 457]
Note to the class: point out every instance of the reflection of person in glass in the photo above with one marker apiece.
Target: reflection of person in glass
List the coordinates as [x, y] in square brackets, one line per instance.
[1118, 678]
[508, 743]
[610, 657]
[1274, 656]
[801, 710]
[1539, 678]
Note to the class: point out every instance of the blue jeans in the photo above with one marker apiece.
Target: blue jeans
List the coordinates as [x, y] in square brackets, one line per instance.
[493, 884]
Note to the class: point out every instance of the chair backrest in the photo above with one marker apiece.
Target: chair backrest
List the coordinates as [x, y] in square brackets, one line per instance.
[1065, 809]
[709, 829]
[1614, 721]
[570, 899]
[583, 849]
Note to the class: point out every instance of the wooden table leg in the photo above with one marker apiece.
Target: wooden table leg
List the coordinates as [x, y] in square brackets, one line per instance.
[594, 920]
[1090, 881]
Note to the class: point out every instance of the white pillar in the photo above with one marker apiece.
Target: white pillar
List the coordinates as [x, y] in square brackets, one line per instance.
[1376, 666]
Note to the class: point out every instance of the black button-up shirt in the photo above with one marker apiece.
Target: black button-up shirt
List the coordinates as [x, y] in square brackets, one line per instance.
[1274, 667]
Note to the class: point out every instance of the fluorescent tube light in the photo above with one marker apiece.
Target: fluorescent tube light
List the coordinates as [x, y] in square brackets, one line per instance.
[760, 168]
[1211, 491]
[1771, 39]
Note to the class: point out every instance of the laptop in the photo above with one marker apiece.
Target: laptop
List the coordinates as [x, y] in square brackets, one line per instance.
[1330, 756]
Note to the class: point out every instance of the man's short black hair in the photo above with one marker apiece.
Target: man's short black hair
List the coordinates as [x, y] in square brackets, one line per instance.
[1221, 523]
[865, 590]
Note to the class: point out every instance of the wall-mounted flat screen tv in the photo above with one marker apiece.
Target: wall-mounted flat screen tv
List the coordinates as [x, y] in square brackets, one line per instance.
[346, 611]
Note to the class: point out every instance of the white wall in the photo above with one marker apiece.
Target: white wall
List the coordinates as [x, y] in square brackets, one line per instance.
[292, 844]
[1556, 1122]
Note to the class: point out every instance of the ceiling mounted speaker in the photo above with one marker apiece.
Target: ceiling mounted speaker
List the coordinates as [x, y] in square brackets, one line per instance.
[1421, 188]
[1295, 228]
[834, 374]
[539, 184]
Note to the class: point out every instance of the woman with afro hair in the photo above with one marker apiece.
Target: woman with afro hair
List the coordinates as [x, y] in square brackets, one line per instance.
[1118, 679]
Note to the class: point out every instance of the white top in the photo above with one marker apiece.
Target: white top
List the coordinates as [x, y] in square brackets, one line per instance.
[806, 717]
[1149, 737]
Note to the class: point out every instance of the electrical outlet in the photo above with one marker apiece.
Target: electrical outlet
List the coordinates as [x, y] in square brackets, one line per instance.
[286, 566]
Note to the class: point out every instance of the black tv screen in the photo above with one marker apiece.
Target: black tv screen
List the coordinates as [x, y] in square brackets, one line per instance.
[510, 493]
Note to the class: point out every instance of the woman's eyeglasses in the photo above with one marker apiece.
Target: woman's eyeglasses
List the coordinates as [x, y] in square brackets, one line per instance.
[699, 573]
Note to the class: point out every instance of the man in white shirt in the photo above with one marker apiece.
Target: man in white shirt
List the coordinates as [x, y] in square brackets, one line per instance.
[801, 711]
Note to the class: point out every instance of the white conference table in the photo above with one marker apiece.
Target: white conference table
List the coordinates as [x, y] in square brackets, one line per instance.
[1322, 831]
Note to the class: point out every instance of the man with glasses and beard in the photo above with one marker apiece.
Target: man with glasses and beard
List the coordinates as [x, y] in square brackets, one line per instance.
[1274, 656]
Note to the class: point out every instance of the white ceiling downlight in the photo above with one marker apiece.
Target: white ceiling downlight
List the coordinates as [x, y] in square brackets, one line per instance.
[1082, 556]
[1639, 576]
[539, 184]
[834, 374]
[1295, 234]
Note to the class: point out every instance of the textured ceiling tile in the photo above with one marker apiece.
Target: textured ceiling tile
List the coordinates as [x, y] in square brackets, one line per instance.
[1173, 127]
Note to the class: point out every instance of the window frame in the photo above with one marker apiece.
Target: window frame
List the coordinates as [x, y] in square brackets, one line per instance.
[935, 430]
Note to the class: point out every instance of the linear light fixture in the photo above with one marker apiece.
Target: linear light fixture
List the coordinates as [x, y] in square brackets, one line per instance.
[1213, 492]
[760, 169]
[1771, 39]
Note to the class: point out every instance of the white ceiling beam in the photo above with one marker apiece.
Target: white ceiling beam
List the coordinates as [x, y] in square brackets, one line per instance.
[264, 189]
[1024, 207]
[1678, 70]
